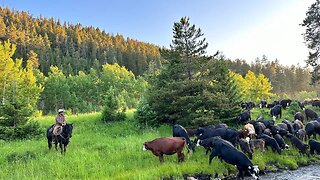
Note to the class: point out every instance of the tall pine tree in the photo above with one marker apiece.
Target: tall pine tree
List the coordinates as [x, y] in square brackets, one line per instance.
[191, 89]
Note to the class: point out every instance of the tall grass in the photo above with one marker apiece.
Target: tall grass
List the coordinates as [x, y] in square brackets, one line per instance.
[101, 150]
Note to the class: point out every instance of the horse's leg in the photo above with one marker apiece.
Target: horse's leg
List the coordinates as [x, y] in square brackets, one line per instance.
[49, 144]
[60, 145]
[56, 143]
[65, 148]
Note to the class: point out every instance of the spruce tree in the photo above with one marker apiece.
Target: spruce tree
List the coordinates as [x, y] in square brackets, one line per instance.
[191, 89]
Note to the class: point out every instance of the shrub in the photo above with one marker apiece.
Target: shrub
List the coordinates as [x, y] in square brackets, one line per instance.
[145, 115]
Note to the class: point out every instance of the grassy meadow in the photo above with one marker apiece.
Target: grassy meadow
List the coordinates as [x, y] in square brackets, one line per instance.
[101, 150]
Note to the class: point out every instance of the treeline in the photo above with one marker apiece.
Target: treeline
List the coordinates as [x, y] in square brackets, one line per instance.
[285, 80]
[73, 47]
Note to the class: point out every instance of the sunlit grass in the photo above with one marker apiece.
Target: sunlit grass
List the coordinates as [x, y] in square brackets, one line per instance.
[100, 150]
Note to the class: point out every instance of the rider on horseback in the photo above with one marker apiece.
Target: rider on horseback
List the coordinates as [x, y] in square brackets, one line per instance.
[60, 123]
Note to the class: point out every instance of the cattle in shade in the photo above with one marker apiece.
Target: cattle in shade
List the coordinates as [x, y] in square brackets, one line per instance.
[310, 114]
[179, 131]
[280, 141]
[315, 103]
[224, 151]
[314, 146]
[289, 126]
[168, 146]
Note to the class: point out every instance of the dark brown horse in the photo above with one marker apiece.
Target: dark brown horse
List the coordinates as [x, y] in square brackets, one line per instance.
[62, 139]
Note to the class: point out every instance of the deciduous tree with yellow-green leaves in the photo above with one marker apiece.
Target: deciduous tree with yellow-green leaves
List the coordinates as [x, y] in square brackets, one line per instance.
[252, 87]
[19, 94]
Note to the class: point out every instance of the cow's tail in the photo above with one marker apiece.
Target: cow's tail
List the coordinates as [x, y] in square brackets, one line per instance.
[186, 145]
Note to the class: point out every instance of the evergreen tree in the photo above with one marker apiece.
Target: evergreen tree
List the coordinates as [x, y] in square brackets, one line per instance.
[311, 37]
[190, 89]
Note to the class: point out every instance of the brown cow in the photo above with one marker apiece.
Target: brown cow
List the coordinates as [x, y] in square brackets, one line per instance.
[257, 144]
[248, 131]
[168, 146]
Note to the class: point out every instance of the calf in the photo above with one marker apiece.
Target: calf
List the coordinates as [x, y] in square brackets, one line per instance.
[231, 155]
[276, 111]
[302, 147]
[271, 142]
[257, 144]
[168, 146]
[179, 131]
[245, 147]
[299, 116]
[314, 146]
[310, 114]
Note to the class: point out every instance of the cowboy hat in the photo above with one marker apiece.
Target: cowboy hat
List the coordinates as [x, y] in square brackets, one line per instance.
[60, 110]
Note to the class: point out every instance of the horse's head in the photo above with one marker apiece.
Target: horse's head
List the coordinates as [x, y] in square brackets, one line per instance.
[68, 130]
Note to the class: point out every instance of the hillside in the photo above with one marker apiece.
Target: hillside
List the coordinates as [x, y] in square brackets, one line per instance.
[73, 47]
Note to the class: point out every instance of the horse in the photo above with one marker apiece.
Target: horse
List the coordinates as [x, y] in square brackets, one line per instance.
[63, 138]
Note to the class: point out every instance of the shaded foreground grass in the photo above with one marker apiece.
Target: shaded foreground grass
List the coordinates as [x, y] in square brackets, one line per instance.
[114, 151]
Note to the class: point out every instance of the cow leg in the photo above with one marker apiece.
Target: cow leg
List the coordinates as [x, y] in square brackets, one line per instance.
[212, 155]
[314, 135]
[161, 158]
[180, 156]
[240, 173]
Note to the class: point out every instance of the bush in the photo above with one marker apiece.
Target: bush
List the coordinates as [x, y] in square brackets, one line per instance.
[145, 115]
[15, 122]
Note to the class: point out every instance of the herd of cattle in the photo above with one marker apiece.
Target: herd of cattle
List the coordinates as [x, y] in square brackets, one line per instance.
[223, 141]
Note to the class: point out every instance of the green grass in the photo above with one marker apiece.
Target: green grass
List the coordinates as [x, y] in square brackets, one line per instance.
[101, 150]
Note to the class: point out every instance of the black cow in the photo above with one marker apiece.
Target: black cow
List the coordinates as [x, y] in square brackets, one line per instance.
[267, 123]
[231, 155]
[285, 103]
[245, 147]
[179, 131]
[276, 111]
[297, 125]
[310, 114]
[299, 116]
[243, 117]
[281, 142]
[312, 128]
[263, 104]
[301, 134]
[314, 146]
[302, 147]
[273, 104]
[228, 134]
[289, 125]
[301, 105]
[271, 142]
[315, 103]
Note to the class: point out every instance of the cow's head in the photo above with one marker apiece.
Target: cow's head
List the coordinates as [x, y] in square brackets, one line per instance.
[145, 146]
[254, 171]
